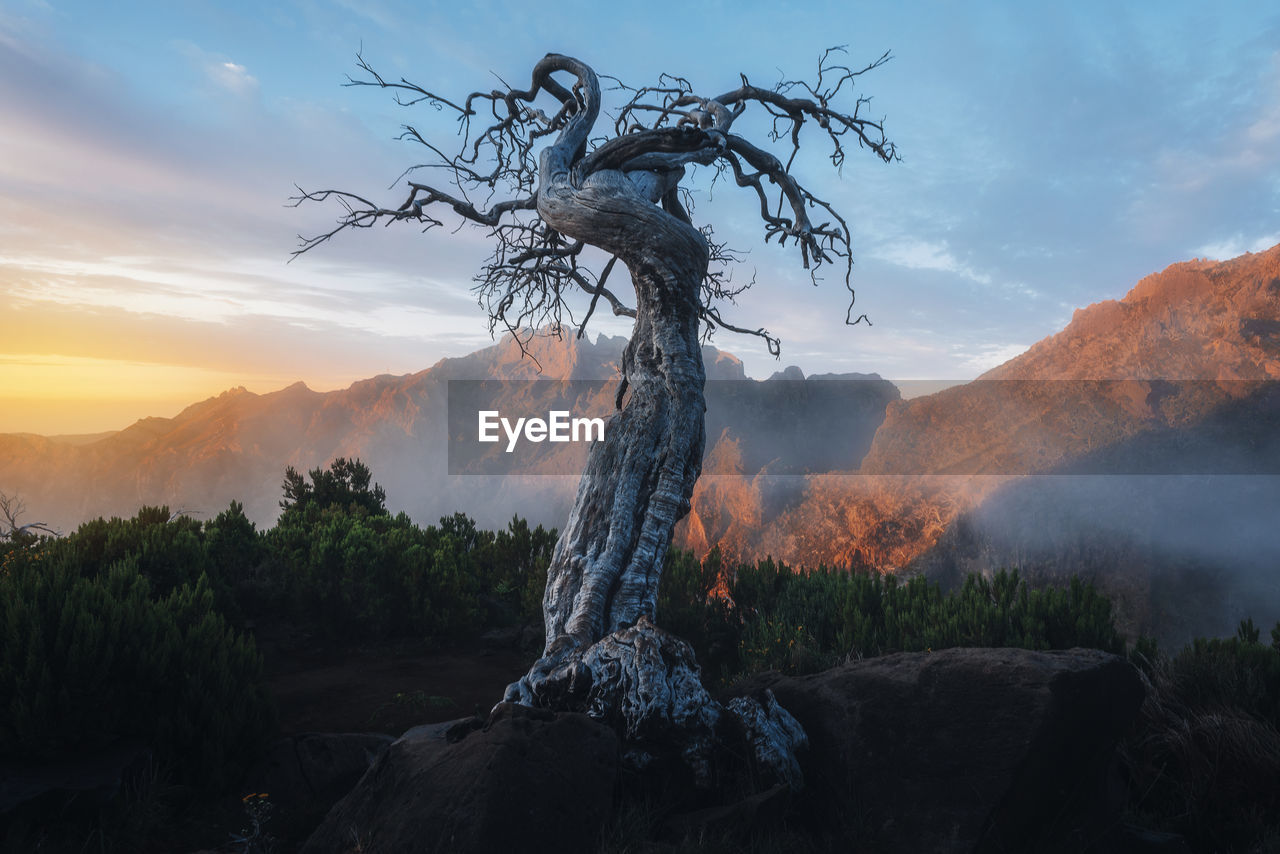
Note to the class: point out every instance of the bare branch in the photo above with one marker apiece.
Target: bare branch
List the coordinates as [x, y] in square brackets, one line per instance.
[14, 531]
[659, 132]
[713, 319]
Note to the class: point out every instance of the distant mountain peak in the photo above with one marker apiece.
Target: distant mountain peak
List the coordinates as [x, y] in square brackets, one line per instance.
[1192, 320]
[790, 372]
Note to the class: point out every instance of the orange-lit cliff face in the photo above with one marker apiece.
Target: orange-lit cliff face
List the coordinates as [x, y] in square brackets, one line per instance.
[1085, 399]
[1117, 370]
[847, 520]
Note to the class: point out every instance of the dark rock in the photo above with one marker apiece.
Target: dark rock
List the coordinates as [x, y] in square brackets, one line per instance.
[750, 817]
[962, 749]
[775, 737]
[525, 780]
[304, 775]
[1128, 839]
[96, 777]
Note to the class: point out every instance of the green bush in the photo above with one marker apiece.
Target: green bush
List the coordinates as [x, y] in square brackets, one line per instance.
[234, 547]
[1205, 757]
[690, 605]
[92, 659]
[169, 549]
[510, 566]
[769, 616]
[1239, 673]
[348, 568]
[346, 483]
[379, 576]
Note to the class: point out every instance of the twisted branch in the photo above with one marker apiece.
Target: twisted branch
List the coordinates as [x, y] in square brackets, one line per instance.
[659, 131]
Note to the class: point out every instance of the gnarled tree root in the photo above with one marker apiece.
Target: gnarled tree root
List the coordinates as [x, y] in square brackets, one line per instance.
[645, 683]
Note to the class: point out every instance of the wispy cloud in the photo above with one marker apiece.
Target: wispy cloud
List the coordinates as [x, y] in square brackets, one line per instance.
[1237, 244]
[221, 70]
[1050, 160]
[917, 254]
[978, 360]
[232, 76]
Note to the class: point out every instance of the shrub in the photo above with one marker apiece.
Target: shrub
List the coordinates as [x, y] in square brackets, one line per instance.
[88, 660]
[773, 617]
[346, 483]
[169, 549]
[347, 567]
[1236, 672]
[234, 547]
[510, 567]
[1205, 757]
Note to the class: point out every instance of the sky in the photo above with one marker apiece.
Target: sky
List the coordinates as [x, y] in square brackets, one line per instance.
[1052, 155]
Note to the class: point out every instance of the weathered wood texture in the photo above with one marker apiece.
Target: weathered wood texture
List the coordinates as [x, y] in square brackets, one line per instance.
[603, 653]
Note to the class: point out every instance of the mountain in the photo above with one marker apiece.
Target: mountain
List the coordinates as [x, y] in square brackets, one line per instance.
[1175, 378]
[236, 446]
[1140, 445]
[1180, 345]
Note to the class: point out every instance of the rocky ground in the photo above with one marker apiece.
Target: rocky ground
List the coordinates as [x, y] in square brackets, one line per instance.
[954, 750]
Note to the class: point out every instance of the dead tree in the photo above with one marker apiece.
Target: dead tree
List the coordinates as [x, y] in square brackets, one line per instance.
[563, 207]
[11, 510]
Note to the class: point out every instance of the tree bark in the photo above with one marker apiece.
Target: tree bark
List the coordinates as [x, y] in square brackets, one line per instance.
[603, 652]
[607, 564]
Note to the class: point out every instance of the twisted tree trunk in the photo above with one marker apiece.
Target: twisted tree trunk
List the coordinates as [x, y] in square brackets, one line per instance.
[604, 654]
[607, 564]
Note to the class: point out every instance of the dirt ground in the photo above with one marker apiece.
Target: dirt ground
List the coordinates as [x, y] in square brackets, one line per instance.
[389, 687]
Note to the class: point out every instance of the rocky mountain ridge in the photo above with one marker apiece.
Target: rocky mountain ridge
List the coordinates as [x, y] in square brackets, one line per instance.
[1173, 382]
[236, 446]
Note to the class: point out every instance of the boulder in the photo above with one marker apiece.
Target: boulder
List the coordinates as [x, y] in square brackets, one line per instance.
[306, 774]
[970, 750]
[524, 780]
[94, 777]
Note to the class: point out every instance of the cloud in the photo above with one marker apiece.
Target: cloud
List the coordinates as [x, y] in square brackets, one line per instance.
[915, 254]
[1223, 174]
[219, 69]
[313, 297]
[108, 201]
[1237, 244]
[233, 77]
[1049, 162]
[376, 13]
[986, 356]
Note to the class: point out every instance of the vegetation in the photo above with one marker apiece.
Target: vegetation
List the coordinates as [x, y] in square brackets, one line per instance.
[95, 656]
[137, 631]
[1205, 758]
[339, 562]
[769, 616]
